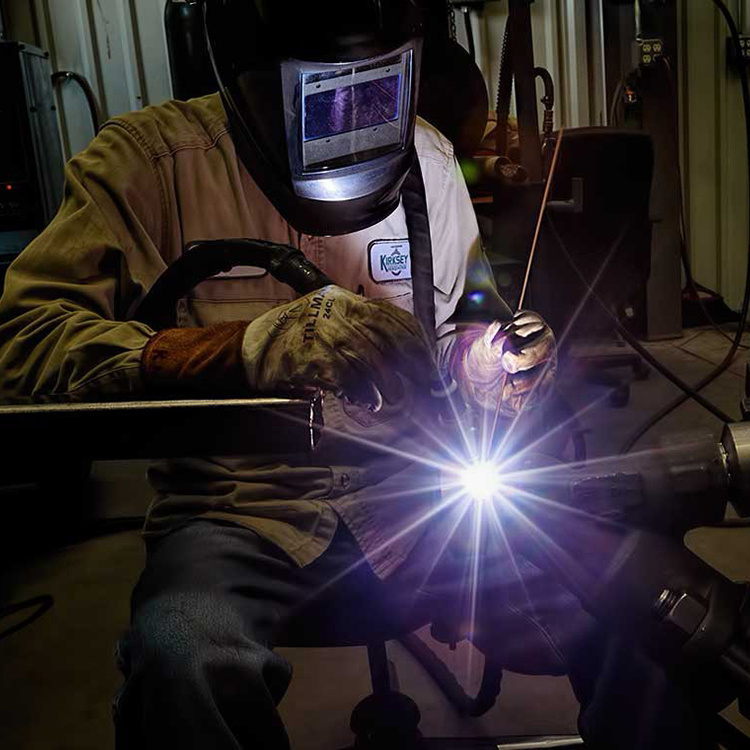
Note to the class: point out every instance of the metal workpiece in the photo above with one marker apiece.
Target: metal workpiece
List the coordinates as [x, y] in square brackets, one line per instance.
[672, 489]
[682, 612]
[735, 442]
[609, 495]
[158, 429]
[699, 611]
[687, 485]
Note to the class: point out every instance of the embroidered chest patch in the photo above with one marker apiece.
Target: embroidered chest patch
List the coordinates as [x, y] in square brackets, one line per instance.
[389, 260]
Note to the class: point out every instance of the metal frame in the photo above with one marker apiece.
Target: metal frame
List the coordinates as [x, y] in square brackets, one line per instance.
[155, 429]
[134, 74]
[524, 87]
[116, 45]
[28, 83]
[660, 120]
[43, 124]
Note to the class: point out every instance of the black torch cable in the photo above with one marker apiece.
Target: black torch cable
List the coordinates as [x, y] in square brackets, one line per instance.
[727, 361]
[207, 258]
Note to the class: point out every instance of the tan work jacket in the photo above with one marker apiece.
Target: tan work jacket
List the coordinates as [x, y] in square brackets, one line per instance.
[149, 184]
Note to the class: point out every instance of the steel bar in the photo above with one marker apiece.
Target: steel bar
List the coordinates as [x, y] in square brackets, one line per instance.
[157, 429]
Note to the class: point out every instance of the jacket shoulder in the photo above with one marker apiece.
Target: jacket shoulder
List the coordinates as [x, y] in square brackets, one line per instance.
[175, 125]
[431, 144]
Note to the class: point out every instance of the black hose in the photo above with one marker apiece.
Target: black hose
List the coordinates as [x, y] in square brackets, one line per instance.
[729, 358]
[418, 229]
[548, 100]
[449, 685]
[93, 104]
[202, 260]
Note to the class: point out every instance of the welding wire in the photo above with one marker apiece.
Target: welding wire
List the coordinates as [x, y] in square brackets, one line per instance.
[545, 198]
[542, 209]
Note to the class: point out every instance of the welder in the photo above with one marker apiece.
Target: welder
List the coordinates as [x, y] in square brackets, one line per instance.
[312, 142]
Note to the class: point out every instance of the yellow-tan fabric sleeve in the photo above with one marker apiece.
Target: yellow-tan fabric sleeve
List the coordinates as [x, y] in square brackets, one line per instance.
[63, 335]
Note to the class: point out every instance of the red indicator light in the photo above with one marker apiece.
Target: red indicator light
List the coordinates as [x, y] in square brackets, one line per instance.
[9, 187]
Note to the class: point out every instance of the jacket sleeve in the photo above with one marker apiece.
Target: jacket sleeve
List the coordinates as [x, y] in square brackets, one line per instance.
[461, 263]
[63, 329]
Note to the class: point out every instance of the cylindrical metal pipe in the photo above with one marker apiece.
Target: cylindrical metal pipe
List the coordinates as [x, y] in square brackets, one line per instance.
[736, 442]
[156, 429]
[671, 489]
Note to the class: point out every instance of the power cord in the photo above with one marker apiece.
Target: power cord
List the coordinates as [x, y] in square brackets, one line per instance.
[613, 118]
[45, 602]
[88, 92]
[42, 605]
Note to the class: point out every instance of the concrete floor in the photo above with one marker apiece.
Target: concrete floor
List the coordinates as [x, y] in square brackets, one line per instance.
[57, 676]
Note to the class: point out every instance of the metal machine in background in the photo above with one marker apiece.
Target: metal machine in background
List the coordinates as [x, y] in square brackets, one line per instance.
[644, 44]
[31, 158]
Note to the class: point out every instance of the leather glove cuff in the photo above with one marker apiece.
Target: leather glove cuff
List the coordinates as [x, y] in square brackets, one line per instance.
[196, 360]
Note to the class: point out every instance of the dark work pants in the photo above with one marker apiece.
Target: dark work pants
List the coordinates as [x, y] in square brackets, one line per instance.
[214, 599]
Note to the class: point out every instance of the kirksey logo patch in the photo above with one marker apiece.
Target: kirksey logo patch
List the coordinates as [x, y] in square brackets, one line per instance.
[390, 260]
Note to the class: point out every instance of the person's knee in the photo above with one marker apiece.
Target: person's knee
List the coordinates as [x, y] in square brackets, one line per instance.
[169, 634]
[191, 638]
[194, 672]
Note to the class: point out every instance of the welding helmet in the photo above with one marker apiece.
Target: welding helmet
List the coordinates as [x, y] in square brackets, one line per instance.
[321, 99]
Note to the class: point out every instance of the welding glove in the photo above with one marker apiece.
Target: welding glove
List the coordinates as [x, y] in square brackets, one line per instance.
[331, 339]
[507, 367]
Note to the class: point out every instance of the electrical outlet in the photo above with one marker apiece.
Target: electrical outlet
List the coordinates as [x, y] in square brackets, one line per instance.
[744, 46]
[649, 51]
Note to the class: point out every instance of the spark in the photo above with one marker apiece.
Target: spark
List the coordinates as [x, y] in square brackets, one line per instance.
[484, 493]
[481, 481]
